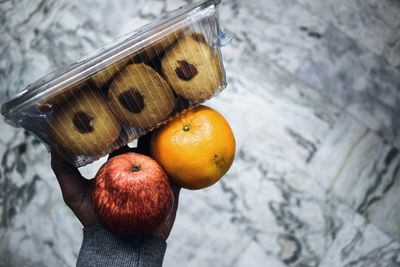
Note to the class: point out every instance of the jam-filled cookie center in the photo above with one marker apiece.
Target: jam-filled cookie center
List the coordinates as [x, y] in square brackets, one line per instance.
[132, 100]
[198, 37]
[185, 70]
[83, 122]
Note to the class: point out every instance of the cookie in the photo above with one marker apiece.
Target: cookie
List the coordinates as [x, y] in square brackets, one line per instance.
[103, 76]
[192, 68]
[151, 52]
[48, 103]
[84, 124]
[140, 97]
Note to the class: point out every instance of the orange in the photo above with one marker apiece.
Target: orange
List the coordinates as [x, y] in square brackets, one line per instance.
[196, 148]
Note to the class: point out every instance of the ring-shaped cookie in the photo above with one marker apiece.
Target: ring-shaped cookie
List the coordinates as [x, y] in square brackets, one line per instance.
[192, 68]
[140, 97]
[84, 124]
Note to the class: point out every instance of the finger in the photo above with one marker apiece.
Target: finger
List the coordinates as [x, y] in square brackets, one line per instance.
[165, 229]
[176, 189]
[69, 178]
[143, 146]
[121, 150]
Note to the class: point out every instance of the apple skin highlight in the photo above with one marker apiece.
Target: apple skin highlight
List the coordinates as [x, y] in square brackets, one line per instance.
[132, 194]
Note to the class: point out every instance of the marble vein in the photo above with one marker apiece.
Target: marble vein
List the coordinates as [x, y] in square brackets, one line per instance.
[369, 91]
[357, 166]
[372, 23]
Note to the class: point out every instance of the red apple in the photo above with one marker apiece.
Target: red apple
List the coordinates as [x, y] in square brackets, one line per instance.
[132, 194]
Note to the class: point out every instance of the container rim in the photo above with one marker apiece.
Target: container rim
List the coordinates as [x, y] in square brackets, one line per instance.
[108, 54]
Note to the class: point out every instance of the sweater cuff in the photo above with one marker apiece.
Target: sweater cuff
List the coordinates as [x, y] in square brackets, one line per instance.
[103, 248]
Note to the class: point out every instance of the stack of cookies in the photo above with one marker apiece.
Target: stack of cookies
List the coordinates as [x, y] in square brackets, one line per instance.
[135, 94]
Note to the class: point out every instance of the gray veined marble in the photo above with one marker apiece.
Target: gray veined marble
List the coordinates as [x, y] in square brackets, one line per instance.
[321, 55]
[34, 35]
[200, 238]
[356, 165]
[397, 140]
[282, 31]
[357, 80]
[392, 49]
[371, 23]
[36, 228]
[361, 245]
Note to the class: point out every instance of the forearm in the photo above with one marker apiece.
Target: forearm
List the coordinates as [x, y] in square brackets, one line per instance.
[102, 248]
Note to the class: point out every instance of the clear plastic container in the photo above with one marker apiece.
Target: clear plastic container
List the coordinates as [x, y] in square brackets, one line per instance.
[124, 90]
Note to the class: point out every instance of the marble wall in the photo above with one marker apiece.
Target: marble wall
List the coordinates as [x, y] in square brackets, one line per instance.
[313, 97]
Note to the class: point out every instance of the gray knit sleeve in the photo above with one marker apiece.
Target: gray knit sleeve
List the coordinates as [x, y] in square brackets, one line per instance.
[102, 248]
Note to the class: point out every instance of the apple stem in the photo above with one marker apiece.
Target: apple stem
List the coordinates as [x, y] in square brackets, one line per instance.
[136, 168]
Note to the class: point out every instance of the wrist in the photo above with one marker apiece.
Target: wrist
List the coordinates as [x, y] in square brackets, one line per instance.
[101, 247]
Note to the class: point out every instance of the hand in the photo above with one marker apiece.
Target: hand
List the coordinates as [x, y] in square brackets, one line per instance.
[77, 190]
